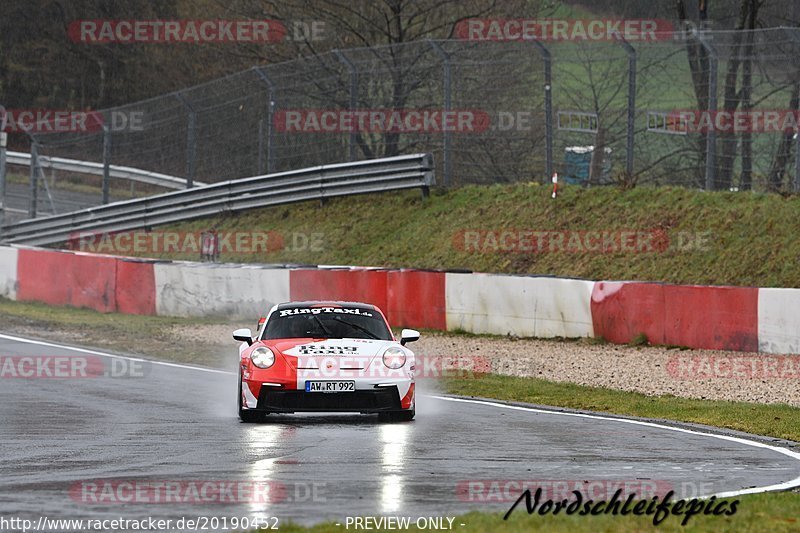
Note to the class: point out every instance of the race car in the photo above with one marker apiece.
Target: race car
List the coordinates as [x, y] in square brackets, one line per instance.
[326, 357]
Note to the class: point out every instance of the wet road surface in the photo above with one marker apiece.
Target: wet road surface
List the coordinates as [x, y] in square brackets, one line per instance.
[82, 447]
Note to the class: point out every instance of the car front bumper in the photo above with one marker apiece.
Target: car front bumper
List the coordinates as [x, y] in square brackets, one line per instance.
[376, 400]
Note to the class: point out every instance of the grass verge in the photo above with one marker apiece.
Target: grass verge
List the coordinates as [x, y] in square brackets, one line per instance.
[781, 421]
[149, 336]
[92, 185]
[760, 512]
[712, 238]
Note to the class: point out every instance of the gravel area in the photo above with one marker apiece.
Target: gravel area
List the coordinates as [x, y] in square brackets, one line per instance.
[657, 371]
[703, 374]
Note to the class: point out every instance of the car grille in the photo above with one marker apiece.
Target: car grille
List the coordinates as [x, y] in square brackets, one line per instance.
[376, 400]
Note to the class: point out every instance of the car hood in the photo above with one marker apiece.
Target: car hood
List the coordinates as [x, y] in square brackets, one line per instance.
[341, 353]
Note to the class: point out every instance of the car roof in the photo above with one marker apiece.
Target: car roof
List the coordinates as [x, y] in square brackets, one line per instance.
[318, 303]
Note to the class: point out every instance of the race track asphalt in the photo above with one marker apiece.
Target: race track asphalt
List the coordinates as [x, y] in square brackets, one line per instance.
[178, 424]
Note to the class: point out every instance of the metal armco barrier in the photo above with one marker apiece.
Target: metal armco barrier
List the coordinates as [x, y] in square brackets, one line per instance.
[316, 183]
[96, 169]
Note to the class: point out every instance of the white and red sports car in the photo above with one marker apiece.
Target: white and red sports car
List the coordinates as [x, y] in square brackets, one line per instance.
[326, 357]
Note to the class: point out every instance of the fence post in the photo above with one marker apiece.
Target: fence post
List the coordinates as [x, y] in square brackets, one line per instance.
[351, 148]
[794, 35]
[106, 161]
[3, 141]
[270, 110]
[711, 136]
[34, 176]
[631, 51]
[191, 140]
[547, 62]
[797, 161]
[447, 88]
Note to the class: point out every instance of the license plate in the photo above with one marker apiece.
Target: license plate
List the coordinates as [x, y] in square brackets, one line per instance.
[330, 386]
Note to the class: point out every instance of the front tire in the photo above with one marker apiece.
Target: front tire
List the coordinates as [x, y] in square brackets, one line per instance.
[248, 417]
[397, 416]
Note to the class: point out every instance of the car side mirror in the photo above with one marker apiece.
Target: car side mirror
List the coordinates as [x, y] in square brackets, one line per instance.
[243, 335]
[408, 335]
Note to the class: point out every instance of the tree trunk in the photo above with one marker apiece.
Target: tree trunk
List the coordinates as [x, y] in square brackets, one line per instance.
[746, 179]
[784, 152]
[727, 158]
[699, 68]
[598, 156]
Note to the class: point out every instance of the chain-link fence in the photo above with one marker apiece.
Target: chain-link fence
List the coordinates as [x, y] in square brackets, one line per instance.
[689, 109]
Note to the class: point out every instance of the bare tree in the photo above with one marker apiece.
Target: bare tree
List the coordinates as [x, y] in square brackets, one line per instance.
[699, 66]
[382, 26]
[733, 94]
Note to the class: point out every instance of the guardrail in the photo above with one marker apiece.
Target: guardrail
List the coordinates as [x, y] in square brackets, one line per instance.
[316, 183]
[96, 169]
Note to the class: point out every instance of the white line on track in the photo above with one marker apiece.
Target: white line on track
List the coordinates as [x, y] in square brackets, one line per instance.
[111, 355]
[754, 490]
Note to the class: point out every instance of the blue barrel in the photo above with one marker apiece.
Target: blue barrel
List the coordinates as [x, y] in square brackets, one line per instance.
[577, 164]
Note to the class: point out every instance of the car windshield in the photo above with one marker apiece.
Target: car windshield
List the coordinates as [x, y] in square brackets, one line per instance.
[327, 323]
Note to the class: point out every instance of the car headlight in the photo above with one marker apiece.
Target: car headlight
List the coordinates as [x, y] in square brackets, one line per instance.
[262, 357]
[394, 357]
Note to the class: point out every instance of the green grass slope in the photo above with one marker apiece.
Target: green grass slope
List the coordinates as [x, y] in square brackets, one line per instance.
[733, 238]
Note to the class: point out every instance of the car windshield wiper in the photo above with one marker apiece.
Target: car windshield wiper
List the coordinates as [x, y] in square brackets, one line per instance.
[323, 327]
[360, 328]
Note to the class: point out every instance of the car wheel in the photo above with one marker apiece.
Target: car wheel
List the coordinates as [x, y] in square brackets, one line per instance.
[245, 416]
[249, 417]
[406, 416]
[397, 416]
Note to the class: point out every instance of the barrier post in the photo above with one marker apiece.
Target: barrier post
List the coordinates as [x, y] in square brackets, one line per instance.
[3, 141]
[353, 105]
[106, 161]
[631, 51]
[34, 177]
[191, 140]
[711, 136]
[547, 61]
[447, 88]
[270, 135]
